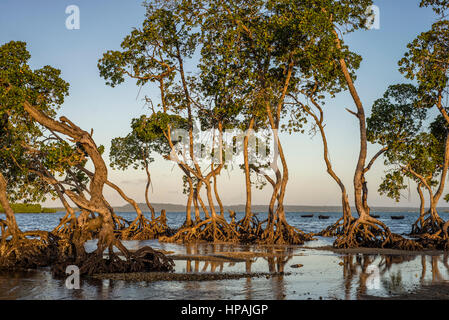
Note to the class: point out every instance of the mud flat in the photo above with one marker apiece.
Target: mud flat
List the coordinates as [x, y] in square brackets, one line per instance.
[166, 276]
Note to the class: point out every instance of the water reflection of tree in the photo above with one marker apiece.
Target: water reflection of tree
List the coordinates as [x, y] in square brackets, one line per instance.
[211, 265]
[357, 267]
[435, 269]
[276, 258]
[363, 267]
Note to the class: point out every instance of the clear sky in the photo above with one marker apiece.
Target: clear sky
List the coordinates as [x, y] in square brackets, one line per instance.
[92, 104]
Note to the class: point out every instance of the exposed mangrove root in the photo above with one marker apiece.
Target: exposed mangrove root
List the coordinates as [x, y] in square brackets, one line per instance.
[430, 225]
[120, 222]
[30, 249]
[250, 230]
[372, 233]
[145, 259]
[66, 226]
[431, 232]
[436, 241]
[35, 249]
[134, 228]
[283, 233]
[144, 229]
[340, 227]
[214, 229]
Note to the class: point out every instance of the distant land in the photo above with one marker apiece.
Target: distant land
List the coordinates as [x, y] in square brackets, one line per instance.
[169, 207]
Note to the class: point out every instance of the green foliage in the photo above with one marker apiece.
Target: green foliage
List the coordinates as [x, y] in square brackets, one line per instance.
[392, 185]
[396, 117]
[58, 156]
[439, 6]
[147, 136]
[396, 124]
[427, 61]
[422, 155]
[21, 138]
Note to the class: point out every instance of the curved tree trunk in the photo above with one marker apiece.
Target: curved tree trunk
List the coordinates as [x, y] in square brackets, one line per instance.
[200, 200]
[443, 177]
[422, 209]
[9, 212]
[359, 171]
[347, 215]
[69, 210]
[216, 171]
[210, 199]
[217, 195]
[283, 185]
[196, 205]
[96, 203]
[422, 200]
[188, 221]
[147, 190]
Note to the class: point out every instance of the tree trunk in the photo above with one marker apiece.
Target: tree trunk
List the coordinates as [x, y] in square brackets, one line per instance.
[9, 212]
[444, 170]
[248, 213]
[359, 171]
[210, 200]
[147, 189]
[188, 222]
[347, 215]
[196, 206]
[217, 195]
[96, 203]
[422, 210]
[283, 185]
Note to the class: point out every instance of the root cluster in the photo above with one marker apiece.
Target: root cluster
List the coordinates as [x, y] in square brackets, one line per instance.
[144, 229]
[283, 233]
[35, 249]
[427, 226]
[145, 259]
[28, 250]
[339, 228]
[372, 233]
[212, 230]
[250, 230]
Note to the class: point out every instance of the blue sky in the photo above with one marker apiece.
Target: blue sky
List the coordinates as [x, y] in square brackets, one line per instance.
[92, 104]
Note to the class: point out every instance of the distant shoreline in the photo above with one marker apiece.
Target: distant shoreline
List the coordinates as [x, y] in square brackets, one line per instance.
[175, 208]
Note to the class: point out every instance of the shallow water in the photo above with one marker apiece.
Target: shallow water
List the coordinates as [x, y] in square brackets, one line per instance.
[324, 274]
[47, 221]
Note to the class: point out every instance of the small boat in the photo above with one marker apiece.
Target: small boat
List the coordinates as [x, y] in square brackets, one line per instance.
[375, 216]
[397, 217]
[323, 217]
[307, 215]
